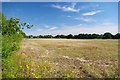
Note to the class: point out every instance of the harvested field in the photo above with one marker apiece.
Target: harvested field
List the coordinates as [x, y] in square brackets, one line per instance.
[70, 57]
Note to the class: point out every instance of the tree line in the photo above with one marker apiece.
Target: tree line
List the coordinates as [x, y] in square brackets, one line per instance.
[106, 35]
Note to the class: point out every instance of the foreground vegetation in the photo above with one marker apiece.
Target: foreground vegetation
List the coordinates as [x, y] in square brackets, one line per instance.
[0, 47]
[11, 36]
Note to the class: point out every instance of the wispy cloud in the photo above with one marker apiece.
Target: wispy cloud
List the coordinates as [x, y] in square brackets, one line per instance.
[68, 8]
[79, 28]
[69, 16]
[5, 0]
[92, 13]
[39, 30]
[107, 23]
[85, 19]
[47, 26]
[52, 28]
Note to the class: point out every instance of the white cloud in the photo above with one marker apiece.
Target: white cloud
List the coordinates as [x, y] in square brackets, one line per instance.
[79, 25]
[5, 0]
[94, 6]
[107, 23]
[67, 8]
[77, 29]
[85, 19]
[92, 13]
[39, 30]
[52, 28]
[68, 16]
[47, 26]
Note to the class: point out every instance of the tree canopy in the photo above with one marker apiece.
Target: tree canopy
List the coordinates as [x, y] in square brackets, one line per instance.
[106, 35]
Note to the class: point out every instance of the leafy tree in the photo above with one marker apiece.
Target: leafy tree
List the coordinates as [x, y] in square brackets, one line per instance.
[48, 36]
[75, 36]
[107, 35]
[96, 36]
[117, 36]
[80, 36]
[0, 31]
[12, 34]
[62, 36]
[57, 36]
[70, 36]
[40, 36]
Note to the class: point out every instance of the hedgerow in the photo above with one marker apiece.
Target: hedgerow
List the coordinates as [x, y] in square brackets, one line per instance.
[12, 34]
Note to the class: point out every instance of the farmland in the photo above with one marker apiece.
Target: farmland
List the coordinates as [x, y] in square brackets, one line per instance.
[76, 58]
[60, 40]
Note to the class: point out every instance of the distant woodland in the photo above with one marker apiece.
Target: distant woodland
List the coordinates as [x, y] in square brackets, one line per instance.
[106, 35]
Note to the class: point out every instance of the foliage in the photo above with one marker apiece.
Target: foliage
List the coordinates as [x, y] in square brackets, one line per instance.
[70, 73]
[80, 36]
[107, 35]
[12, 34]
[117, 36]
[18, 66]
[69, 36]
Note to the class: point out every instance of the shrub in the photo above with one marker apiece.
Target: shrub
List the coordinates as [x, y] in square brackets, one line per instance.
[12, 34]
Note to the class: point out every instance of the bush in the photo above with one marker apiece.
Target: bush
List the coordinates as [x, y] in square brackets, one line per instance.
[12, 34]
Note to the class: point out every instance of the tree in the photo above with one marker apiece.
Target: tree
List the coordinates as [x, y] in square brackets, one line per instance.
[107, 35]
[12, 34]
[62, 36]
[70, 36]
[80, 36]
[48, 36]
[75, 36]
[40, 36]
[117, 36]
[57, 36]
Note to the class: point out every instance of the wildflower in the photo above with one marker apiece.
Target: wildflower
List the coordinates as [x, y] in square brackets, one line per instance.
[36, 77]
[20, 66]
[27, 66]
[33, 74]
[37, 65]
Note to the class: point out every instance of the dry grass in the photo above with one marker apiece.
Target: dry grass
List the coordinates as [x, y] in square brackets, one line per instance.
[73, 57]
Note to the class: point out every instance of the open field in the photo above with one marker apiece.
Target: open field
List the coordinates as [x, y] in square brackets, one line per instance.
[48, 58]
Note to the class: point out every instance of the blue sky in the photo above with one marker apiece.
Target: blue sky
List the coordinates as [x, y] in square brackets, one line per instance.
[65, 17]
[59, 0]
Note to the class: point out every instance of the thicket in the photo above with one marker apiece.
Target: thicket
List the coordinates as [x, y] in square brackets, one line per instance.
[12, 34]
[106, 35]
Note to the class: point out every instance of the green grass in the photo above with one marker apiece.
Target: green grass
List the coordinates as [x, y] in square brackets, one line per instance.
[63, 58]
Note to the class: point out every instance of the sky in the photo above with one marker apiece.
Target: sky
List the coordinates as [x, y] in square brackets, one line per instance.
[59, 0]
[65, 17]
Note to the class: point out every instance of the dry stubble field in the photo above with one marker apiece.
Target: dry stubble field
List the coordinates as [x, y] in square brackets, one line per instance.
[47, 58]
